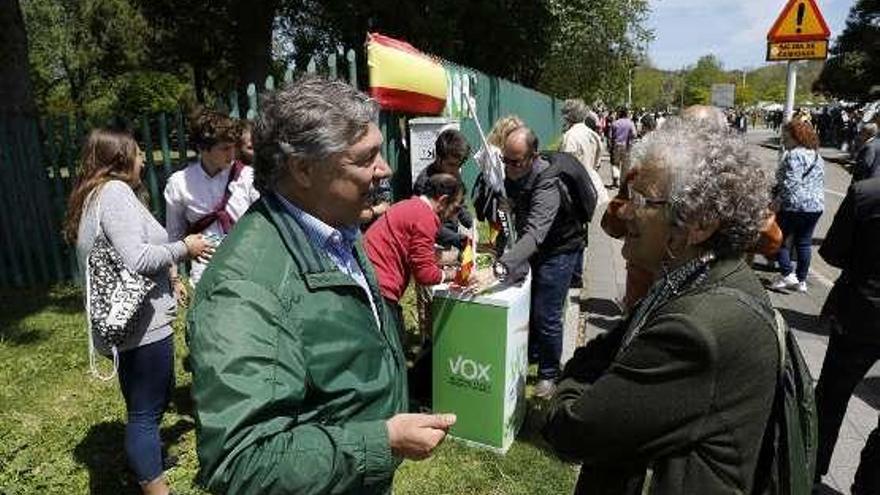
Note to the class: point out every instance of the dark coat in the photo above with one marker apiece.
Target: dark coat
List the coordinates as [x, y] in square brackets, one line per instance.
[853, 244]
[867, 161]
[545, 227]
[683, 409]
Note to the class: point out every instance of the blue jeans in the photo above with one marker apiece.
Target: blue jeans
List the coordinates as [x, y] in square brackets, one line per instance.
[799, 226]
[550, 280]
[146, 376]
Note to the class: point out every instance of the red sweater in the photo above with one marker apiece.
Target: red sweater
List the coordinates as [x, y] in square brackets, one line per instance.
[400, 244]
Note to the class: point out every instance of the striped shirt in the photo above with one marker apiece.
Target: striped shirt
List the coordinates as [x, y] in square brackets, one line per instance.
[338, 244]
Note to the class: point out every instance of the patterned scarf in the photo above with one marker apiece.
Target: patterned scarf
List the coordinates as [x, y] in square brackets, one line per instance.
[691, 274]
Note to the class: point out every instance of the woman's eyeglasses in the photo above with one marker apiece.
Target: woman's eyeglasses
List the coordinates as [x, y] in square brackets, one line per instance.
[638, 200]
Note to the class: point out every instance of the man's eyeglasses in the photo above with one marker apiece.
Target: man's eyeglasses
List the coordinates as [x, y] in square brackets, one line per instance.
[638, 200]
[512, 162]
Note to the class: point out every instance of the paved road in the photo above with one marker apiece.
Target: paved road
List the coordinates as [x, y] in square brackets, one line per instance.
[606, 277]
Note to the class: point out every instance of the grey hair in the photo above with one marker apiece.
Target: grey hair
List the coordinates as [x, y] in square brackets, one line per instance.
[310, 120]
[870, 129]
[713, 177]
[574, 111]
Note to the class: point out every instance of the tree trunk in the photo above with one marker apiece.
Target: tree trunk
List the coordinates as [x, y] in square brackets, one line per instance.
[253, 50]
[15, 80]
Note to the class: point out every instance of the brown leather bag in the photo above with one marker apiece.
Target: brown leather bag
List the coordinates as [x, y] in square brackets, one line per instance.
[770, 238]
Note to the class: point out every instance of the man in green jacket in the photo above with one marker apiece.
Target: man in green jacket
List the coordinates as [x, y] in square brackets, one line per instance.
[299, 379]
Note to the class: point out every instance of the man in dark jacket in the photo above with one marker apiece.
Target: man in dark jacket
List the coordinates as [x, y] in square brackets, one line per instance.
[299, 379]
[868, 159]
[549, 241]
[853, 307]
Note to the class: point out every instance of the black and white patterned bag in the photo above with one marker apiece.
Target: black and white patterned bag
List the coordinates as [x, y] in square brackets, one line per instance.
[114, 296]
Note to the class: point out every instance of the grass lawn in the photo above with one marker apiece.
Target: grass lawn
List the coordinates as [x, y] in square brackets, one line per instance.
[61, 431]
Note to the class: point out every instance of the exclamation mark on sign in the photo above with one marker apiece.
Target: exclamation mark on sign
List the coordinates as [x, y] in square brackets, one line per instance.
[800, 16]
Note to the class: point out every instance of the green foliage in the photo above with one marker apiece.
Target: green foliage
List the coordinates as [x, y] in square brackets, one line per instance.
[853, 71]
[594, 44]
[655, 89]
[194, 35]
[77, 46]
[699, 80]
[149, 92]
[744, 96]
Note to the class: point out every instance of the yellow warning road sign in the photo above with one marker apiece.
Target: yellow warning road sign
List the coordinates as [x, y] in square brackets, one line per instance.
[800, 20]
[797, 50]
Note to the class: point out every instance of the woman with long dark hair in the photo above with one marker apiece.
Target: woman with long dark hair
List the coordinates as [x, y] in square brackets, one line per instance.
[107, 201]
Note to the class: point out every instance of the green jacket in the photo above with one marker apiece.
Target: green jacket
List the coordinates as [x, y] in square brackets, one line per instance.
[682, 410]
[292, 379]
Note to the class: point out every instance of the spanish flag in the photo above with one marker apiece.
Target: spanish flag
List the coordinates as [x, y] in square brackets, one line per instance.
[404, 79]
[467, 264]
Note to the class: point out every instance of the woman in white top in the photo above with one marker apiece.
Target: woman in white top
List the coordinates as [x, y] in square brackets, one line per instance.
[212, 193]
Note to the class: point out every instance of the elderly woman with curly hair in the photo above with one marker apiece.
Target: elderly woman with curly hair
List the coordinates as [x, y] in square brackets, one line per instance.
[676, 399]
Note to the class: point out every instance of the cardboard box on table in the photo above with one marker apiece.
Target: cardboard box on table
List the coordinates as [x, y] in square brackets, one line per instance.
[480, 362]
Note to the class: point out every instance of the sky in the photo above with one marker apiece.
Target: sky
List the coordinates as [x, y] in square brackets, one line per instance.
[734, 31]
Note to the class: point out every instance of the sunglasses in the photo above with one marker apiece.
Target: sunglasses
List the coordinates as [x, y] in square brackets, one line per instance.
[513, 162]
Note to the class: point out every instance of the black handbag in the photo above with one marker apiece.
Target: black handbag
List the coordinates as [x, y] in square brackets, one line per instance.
[114, 296]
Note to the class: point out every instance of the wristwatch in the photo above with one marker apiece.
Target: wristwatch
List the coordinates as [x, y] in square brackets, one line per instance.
[499, 270]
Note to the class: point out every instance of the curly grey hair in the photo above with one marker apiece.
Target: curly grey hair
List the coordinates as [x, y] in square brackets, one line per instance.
[309, 119]
[713, 177]
[574, 111]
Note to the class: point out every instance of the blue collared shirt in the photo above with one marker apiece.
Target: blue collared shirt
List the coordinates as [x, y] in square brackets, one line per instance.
[338, 244]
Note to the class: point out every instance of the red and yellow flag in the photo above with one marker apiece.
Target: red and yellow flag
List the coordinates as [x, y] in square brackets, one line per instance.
[404, 79]
[467, 264]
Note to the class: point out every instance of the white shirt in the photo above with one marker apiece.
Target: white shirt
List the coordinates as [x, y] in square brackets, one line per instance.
[191, 193]
[583, 143]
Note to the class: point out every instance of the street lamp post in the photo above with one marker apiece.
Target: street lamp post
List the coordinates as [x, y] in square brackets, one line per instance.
[629, 88]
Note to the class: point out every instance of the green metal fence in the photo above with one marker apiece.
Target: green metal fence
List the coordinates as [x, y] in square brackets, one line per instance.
[38, 159]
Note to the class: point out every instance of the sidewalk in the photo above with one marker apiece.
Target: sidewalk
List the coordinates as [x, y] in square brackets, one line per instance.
[605, 279]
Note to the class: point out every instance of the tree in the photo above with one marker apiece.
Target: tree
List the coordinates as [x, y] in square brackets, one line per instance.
[79, 46]
[853, 70]
[654, 88]
[15, 83]
[566, 48]
[699, 80]
[194, 37]
[594, 45]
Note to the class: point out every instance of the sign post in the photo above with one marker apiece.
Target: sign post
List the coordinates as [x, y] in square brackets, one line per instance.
[799, 33]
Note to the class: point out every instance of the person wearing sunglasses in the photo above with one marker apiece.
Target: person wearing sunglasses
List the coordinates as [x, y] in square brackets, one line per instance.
[550, 240]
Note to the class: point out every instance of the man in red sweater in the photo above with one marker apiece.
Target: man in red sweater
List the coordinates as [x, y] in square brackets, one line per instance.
[401, 243]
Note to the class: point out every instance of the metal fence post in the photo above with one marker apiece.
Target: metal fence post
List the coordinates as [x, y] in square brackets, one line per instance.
[331, 65]
[166, 148]
[351, 56]
[152, 182]
[252, 101]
